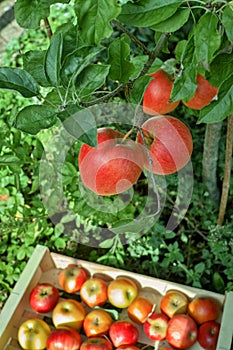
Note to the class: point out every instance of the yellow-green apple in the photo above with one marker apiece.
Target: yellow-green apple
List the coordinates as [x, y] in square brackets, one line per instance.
[122, 291]
[123, 332]
[33, 334]
[97, 322]
[208, 335]
[94, 292]
[139, 309]
[157, 94]
[66, 338]
[155, 327]
[174, 302]
[204, 308]
[114, 166]
[204, 94]
[182, 331]
[72, 278]
[43, 297]
[169, 142]
[96, 343]
[69, 313]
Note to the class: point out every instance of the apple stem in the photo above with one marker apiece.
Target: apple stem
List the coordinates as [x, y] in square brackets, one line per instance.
[127, 135]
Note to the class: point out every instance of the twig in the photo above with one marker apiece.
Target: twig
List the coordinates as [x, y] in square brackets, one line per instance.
[152, 56]
[227, 171]
[132, 37]
[48, 28]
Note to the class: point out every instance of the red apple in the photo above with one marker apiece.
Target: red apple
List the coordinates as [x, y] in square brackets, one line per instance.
[208, 335]
[97, 322]
[169, 142]
[127, 347]
[155, 326]
[70, 313]
[122, 291]
[72, 278]
[96, 343]
[64, 339]
[139, 309]
[174, 302]
[114, 166]
[123, 332]
[44, 297]
[94, 292]
[182, 331]
[157, 94]
[203, 309]
[33, 334]
[204, 94]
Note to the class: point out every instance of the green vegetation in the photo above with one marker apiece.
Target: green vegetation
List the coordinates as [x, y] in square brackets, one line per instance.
[197, 251]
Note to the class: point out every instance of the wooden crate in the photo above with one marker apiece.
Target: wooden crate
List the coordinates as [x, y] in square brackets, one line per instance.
[45, 266]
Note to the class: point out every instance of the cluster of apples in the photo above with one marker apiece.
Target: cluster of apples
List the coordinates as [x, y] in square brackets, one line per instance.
[90, 323]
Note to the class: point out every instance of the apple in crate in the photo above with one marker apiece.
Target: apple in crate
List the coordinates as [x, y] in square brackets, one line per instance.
[123, 332]
[122, 291]
[70, 313]
[94, 292]
[72, 278]
[64, 338]
[33, 334]
[208, 335]
[155, 326]
[204, 308]
[182, 331]
[139, 309]
[96, 343]
[174, 302]
[44, 297]
[128, 347]
[97, 322]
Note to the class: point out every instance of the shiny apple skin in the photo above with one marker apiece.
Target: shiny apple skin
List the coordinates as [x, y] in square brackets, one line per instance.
[203, 309]
[97, 322]
[64, 339]
[155, 326]
[174, 302]
[33, 334]
[96, 343]
[69, 313]
[44, 297]
[208, 335]
[72, 278]
[157, 94]
[182, 331]
[123, 332]
[94, 292]
[122, 291]
[139, 309]
[169, 142]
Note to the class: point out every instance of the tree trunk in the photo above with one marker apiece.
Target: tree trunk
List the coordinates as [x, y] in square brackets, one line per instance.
[210, 159]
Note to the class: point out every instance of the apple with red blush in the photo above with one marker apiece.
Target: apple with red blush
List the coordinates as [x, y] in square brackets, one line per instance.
[123, 332]
[174, 302]
[94, 292]
[44, 297]
[72, 277]
[155, 327]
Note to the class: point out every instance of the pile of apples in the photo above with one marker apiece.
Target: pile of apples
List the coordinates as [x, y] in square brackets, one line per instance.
[89, 313]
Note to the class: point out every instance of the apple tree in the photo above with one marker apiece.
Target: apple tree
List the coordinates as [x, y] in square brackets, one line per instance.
[104, 53]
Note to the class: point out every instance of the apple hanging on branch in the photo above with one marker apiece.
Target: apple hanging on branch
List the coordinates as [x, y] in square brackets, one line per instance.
[114, 166]
[169, 142]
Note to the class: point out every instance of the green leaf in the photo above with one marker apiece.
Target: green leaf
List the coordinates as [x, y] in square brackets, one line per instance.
[91, 78]
[53, 60]
[33, 63]
[207, 39]
[94, 17]
[107, 243]
[218, 282]
[76, 62]
[173, 23]
[32, 119]
[29, 13]
[220, 109]
[9, 160]
[146, 13]
[219, 75]
[185, 85]
[138, 89]
[19, 80]
[80, 123]
[227, 20]
[119, 58]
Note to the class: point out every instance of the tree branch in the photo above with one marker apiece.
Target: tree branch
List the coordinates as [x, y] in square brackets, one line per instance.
[48, 28]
